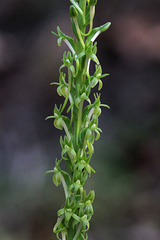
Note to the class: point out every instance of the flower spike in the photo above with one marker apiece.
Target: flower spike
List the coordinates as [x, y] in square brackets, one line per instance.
[78, 117]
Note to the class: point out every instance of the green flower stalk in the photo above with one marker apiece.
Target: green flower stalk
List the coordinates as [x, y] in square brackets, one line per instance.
[78, 117]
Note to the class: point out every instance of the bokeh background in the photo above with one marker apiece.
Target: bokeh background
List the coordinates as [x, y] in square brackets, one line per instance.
[127, 156]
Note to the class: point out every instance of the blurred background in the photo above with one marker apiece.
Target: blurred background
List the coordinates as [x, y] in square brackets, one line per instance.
[127, 156]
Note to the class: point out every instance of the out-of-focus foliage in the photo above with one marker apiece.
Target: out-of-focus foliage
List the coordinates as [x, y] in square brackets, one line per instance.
[127, 159]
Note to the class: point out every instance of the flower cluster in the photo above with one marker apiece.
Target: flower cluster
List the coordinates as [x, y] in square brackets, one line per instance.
[78, 117]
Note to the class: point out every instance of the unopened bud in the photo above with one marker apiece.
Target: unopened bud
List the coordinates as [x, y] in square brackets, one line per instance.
[73, 12]
[97, 111]
[58, 123]
[57, 178]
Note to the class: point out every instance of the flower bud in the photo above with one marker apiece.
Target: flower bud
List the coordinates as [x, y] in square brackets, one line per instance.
[89, 209]
[93, 127]
[58, 123]
[63, 91]
[57, 178]
[73, 12]
[90, 197]
[88, 169]
[97, 111]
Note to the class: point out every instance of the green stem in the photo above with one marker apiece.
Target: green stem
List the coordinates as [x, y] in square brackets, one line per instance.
[79, 122]
[63, 236]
